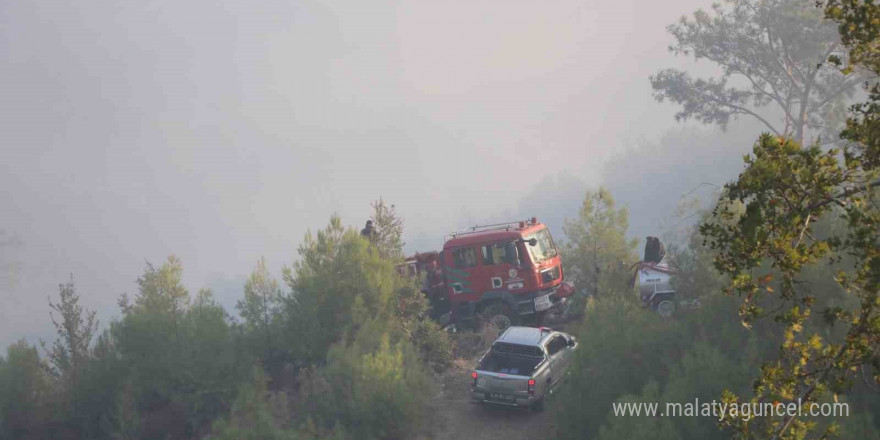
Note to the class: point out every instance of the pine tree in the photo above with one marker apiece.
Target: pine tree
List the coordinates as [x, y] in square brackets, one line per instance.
[388, 230]
[773, 55]
[75, 327]
[261, 305]
[160, 290]
[598, 254]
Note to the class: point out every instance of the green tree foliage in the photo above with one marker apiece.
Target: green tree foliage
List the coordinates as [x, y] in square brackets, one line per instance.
[339, 284]
[390, 389]
[412, 317]
[181, 355]
[598, 254]
[786, 189]
[261, 309]
[795, 239]
[160, 290]
[174, 366]
[808, 210]
[69, 358]
[75, 327]
[335, 286]
[697, 276]
[773, 54]
[625, 428]
[614, 359]
[388, 227]
[630, 355]
[124, 421]
[256, 414]
[26, 394]
[364, 334]
[859, 26]
[375, 388]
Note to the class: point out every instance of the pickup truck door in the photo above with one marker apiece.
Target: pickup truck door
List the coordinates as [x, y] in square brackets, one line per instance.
[560, 357]
[568, 354]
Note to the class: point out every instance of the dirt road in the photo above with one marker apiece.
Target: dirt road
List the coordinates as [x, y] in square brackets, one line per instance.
[458, 419]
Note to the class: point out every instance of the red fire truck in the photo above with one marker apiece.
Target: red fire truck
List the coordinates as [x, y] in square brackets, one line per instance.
[506, 274]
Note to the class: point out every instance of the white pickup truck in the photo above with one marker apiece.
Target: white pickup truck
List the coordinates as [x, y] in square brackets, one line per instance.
[523, 367]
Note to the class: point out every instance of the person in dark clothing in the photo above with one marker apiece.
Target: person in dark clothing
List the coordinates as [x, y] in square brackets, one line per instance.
[368, 231]
[654, 251]
[650, 250]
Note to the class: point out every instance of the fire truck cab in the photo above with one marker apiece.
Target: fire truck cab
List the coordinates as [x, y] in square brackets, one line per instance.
[507, 273]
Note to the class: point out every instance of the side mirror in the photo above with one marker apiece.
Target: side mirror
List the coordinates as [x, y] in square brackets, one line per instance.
[531, 241]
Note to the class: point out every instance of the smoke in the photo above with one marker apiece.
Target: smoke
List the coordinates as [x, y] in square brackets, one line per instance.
[224, 131]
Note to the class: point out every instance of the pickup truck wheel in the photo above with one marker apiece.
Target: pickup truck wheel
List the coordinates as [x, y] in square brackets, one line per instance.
[537, 406]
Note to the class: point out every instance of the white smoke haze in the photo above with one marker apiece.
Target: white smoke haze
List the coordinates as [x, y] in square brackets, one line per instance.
[223, 131]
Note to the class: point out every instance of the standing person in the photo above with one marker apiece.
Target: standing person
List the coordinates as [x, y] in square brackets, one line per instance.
[368, 232]
[651, 250]
[654, 251]
[433, 277]
[661, 251]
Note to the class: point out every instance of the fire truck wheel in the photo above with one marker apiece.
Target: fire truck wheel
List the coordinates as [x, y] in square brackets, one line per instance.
[499, 315]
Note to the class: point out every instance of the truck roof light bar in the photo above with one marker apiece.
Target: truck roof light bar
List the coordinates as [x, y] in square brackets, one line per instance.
[497, 226]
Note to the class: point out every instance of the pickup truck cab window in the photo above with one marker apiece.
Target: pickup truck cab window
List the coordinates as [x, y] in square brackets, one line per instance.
[517, 349]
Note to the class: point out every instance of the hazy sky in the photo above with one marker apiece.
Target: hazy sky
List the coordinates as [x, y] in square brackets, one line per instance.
[221, 131]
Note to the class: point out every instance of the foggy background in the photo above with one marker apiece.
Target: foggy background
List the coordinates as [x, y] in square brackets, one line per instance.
[223, 131]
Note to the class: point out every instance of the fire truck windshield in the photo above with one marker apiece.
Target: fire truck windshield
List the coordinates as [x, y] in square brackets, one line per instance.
[544, 248]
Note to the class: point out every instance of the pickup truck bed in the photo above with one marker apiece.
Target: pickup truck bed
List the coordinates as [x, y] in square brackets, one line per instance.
[504, 380]
[517, 366]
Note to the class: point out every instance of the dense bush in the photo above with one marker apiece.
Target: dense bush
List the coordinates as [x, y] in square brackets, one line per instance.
[369, 342]
[256, 414]
[629, 354]
[180, 356]
[25, 394]
[375, 389]
[353, 336]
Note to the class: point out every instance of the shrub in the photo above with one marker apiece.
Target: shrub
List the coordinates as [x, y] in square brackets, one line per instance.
[371, 391]
[25, 394]
[256, 414]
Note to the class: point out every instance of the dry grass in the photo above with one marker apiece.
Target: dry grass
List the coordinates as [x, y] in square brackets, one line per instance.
[468, 344]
